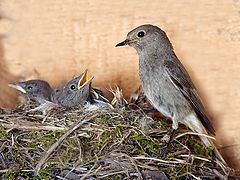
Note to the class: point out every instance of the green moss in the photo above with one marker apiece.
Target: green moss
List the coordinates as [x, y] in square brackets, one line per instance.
[45, 173]
[16, 153]
[106, 120]
[3, 133]
[18, 174]
[161, 124]
[146, 146]
[10, 174]
[110, 135]
[200, 149]
[134, 123]
[44, 138]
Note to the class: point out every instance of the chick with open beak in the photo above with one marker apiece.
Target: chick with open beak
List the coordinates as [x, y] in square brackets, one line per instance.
[75, 92]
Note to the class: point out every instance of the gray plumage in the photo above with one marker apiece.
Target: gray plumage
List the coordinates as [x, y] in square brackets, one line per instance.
[74, 93]
[166, 83]
[36, 90]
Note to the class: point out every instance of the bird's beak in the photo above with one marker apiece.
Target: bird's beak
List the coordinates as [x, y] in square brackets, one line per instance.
[84, 80]
[18, 87]
[127, 42]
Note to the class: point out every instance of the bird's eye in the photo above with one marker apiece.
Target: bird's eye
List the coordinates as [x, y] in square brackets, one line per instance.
[141, 34]
[29, 87]
[73, 87]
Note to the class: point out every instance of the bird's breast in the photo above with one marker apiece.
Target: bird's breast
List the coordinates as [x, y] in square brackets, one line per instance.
[156, 87]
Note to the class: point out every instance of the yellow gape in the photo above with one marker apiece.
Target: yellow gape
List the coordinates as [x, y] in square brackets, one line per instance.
[83, 80]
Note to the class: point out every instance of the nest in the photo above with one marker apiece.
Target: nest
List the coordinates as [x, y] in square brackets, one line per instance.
[103, 144]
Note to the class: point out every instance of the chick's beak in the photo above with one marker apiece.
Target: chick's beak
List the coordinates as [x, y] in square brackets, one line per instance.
[127, 42]
[84, 80]
[18, 87]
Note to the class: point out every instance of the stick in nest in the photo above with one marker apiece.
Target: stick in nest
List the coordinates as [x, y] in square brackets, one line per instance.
[75, 126]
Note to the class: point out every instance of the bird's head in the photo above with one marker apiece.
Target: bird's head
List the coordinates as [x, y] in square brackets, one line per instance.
[76, 91]
[144, 36]
[34, 89]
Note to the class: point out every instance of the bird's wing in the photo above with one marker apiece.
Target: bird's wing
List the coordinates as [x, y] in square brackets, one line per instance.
[181, 80]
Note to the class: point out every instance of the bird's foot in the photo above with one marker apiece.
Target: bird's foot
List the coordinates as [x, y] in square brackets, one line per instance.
[165, 150]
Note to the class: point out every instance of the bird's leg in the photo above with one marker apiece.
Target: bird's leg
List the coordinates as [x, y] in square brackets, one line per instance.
[164, 153]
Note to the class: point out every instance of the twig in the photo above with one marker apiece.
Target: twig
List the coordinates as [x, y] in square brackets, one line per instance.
[75, 126]
[89, 173]
[195, 157]
[111, 174]
[4, 170]
[193, 133]
[131, 160]
[35, 127]
[159, 160]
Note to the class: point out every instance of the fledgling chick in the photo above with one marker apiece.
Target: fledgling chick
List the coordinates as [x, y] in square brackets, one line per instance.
[36, 90]
[75, 92]
[96, 101]
[166, 82]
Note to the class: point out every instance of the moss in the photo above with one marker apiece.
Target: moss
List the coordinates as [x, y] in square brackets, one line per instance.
[145, 145]
[3, 133]
[199, 149]
[107, 120]
[10, 174]
[162, 124]
[13, 174]
[16, 153]
[45, 173]
[110, 136]
[47, 138]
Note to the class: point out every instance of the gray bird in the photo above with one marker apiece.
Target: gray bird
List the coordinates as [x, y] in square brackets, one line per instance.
[36, 90]
[75, 92]
[39, 91]
[166, 83]
[79, 92]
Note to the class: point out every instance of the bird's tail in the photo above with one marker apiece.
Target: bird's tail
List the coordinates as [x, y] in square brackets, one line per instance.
[195, 125]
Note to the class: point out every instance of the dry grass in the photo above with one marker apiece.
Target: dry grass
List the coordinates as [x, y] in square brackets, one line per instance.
[108, 144]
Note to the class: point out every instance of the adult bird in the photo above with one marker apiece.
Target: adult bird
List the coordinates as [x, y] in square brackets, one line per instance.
[166, 83]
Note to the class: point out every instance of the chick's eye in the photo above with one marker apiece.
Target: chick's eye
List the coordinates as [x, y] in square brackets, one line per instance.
[141, 34]
[73, 87]
[29, 87]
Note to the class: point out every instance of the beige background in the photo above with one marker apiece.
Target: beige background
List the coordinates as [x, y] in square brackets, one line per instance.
[55, 40]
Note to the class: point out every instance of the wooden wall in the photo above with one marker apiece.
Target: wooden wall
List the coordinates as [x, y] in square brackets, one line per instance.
[55, 40]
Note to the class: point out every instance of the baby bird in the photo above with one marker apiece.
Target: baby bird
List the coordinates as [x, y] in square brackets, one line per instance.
[36, 90]
[75, 92]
